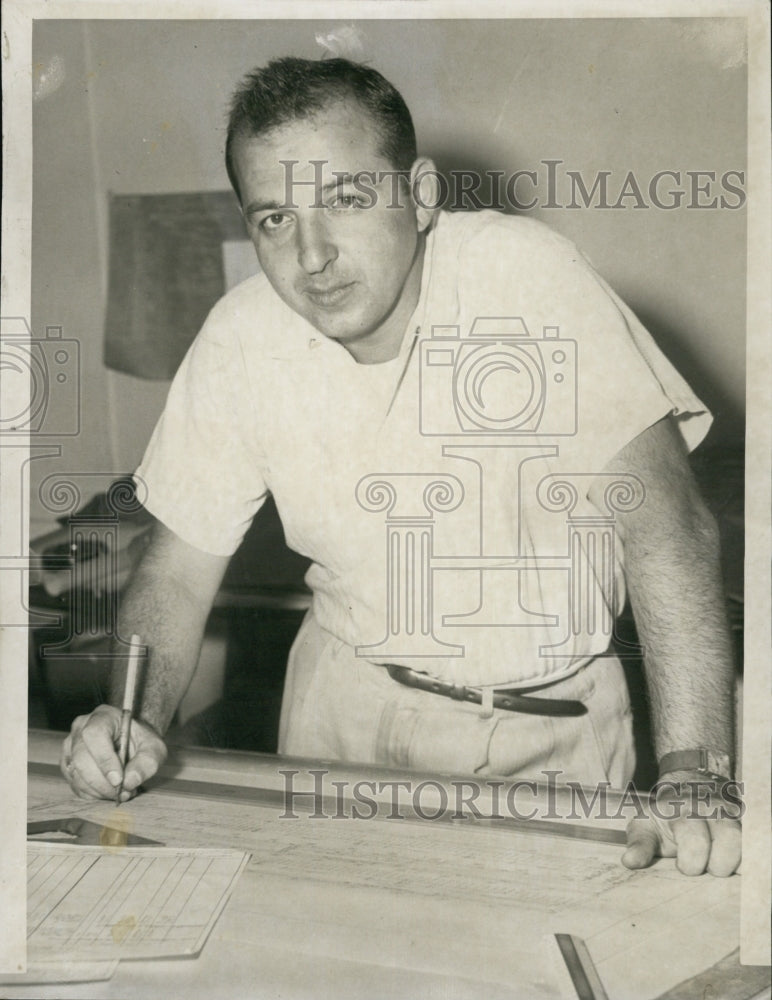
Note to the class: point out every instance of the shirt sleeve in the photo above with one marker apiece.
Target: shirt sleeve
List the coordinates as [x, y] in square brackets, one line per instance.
[625, 383]
[201, 473]
[607, 381]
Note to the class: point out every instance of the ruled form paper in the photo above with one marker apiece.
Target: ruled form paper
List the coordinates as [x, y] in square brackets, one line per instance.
[112, 903]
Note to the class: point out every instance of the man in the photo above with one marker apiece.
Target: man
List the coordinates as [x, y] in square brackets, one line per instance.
[343, 379]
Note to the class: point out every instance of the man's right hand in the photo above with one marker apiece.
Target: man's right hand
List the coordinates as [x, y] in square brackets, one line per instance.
[89, 759]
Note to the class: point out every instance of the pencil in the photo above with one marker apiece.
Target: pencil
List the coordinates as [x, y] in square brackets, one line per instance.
[128, 708]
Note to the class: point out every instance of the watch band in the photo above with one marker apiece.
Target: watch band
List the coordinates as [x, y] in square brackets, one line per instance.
[711, 763]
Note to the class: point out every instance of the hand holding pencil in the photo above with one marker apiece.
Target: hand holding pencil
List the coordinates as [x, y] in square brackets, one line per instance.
[110, 753]
[129, 694]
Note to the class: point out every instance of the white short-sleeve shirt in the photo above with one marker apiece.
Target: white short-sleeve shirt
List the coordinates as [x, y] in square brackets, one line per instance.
[441, 496]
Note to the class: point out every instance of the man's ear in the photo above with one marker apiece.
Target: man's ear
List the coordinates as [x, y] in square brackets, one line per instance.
[425, 191]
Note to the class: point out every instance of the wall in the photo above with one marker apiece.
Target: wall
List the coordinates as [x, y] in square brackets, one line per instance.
[141, 110]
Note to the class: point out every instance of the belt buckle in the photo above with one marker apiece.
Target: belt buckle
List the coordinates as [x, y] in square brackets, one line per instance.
[483, 696]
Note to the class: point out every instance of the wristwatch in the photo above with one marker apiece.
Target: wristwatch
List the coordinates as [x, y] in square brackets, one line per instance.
[713, 765]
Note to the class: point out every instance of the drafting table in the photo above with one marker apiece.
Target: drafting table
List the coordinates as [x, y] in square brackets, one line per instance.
[331, 906]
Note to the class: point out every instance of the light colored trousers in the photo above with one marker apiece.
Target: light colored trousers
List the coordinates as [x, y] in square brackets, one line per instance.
[338, 706]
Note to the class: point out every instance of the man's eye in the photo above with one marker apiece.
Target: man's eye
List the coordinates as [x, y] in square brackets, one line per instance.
[273, 222]
[345, 202]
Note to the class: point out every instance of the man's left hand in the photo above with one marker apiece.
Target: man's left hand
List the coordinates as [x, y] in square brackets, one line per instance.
[692, 820]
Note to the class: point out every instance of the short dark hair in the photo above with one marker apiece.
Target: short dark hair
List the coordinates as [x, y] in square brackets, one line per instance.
[289, 89]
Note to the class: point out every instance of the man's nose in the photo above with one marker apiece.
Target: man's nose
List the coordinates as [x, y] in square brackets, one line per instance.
[316, 248]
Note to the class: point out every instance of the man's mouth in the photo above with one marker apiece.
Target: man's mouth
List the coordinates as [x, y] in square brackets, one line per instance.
[328, 297]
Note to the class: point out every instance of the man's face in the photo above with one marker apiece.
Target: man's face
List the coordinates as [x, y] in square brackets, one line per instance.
[341, 258]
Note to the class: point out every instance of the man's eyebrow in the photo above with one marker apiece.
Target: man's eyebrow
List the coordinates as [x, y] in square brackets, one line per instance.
[262, 206]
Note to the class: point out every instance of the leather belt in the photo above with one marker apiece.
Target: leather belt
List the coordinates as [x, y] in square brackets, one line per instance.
[511, 700]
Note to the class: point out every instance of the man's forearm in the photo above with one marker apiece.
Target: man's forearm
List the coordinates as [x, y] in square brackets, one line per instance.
[166, 604]
[678, 601]
[171, 659]
[673, 573]
[172, 651]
